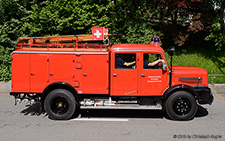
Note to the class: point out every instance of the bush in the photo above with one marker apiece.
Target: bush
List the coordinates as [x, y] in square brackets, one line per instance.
[5, 64]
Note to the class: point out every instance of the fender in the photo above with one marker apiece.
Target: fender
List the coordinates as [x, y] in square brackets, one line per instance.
[57, 85]
[171, 90]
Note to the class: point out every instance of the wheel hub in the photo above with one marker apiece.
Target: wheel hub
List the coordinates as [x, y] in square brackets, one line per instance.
[59, 106]
[182, 106]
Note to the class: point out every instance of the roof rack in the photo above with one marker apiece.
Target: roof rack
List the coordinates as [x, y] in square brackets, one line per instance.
[63, 43]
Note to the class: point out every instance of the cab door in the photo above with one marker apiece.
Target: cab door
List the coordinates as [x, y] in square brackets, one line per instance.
[124, 79]
[153, 79]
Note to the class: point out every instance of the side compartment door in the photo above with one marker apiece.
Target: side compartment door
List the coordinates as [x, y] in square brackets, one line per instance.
[61, 67]
[20, 72]
[153, 79]
[124, 80]
[95, 73]
[38, 72]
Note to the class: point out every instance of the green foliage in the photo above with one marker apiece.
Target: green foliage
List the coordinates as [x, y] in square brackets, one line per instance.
[138, 34]
[217, 30]
[67, 17]
[217, 35]
[128, 18]
[5, 62]
[12, 15]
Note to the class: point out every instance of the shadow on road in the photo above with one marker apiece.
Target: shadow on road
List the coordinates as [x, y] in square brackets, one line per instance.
[35, 110]
[202, 112]
[118, 113]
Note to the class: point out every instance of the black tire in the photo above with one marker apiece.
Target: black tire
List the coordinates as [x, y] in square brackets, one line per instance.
[60, 104]
[181, 105]
[76, 114]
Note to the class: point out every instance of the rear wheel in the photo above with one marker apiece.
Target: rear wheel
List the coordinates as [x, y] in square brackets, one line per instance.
[181, 106]
[60, 104]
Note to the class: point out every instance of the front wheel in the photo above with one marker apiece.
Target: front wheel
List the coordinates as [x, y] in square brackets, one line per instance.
[181, 105]
[60, 104]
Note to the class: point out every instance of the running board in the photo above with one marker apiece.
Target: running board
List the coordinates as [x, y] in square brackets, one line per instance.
[126, 107]
[110, 104]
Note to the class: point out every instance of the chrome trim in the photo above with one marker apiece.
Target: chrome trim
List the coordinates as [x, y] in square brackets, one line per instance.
[136, 51]
[191, 80]
[195, 86]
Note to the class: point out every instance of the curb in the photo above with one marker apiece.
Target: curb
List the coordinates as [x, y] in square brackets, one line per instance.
[5, 88]
[217, 88]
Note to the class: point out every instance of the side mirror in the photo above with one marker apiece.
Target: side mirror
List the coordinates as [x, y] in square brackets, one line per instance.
[164, 66]
[171, 51]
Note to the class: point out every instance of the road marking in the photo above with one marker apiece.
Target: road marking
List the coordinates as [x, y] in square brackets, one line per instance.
[99, 119]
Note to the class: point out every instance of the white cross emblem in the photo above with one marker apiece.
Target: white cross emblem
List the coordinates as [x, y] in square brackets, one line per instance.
[98, 34]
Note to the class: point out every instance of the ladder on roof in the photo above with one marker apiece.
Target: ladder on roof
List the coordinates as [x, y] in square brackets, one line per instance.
[66, 41]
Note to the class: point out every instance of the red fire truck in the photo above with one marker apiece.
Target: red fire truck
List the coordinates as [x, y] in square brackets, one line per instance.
[66, 73]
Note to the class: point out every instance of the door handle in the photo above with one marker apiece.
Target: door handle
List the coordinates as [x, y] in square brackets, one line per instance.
[31, 73]
[84, 74]
[114, 75]
[143, 75]
[51, 74]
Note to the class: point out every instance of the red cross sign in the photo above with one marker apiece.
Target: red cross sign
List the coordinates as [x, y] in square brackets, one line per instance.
[98, 33]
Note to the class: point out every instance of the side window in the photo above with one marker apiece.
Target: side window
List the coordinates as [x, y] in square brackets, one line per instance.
[125, 61]
[152, 61]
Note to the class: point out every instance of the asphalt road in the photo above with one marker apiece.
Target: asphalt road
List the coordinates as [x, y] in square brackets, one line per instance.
[24, 123]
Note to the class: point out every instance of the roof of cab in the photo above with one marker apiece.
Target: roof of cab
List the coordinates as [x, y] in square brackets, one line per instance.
[136, 47]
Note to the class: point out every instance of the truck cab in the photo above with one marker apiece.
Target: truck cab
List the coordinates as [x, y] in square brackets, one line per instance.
[137, 80]
[65, 73]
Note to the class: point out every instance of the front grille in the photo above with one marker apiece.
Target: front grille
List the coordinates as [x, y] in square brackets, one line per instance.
[192, 80]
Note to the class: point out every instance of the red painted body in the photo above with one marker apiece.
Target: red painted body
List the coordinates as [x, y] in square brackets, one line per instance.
[91, 70]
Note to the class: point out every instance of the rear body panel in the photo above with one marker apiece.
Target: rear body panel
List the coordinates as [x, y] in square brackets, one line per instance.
[32, 72]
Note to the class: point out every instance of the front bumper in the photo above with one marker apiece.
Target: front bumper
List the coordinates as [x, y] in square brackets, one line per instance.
[205, 95]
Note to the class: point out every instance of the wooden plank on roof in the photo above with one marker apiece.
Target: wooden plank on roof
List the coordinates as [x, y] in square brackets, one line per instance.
[47, 37]
[85, 38]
